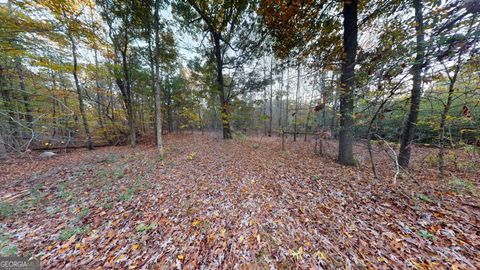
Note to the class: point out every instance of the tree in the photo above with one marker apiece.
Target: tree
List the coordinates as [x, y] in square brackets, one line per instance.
[295, 114]
[302, 29]
[156, 40]
[156, 85]
[95, 44]
[118, 15]
[347, 81]
[79, 90]
[68, 14]
[222, 22]
[408, 131]
[452, 48]
[270, 107]
[14, 91]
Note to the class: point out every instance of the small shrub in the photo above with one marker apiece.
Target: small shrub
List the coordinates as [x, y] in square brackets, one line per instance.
[467, 165]
[358, 160]
[450, 157]
[238, 135]
[432, 159]
[469, 149]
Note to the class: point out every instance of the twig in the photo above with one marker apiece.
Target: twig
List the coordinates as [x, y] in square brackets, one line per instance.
[397, 165]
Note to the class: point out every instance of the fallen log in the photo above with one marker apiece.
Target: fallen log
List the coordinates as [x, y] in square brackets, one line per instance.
[69, 147]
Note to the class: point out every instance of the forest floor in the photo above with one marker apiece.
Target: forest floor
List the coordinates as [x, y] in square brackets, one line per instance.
[239, 204]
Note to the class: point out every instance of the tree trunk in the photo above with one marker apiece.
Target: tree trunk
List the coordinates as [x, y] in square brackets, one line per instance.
[170, 114]
[158, 117]
[120, 46]
[128, 99]
[112, 102]
[288, 94]
[25, 96]
[350, 43]
[152, 75]
[271, 100]
[296, 105]
[79, 94]
[158, 103]
[325, 98]
[443, 120]
[309, 107]
[97, 83]
[200, 120]
[265, 127]
[54, 107]
[141, 114]
[280, 103]
[99, 97]
[333, 122]
[3, 149]
[8, 106]
[408, 131]
[224, 100]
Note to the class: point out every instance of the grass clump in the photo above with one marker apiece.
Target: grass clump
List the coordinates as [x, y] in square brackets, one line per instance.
[425, 198]
[459, 186]
[6, 247]
[67, 233]
[432, 159]
[7, 210]
[112, 158]
[63, 192]
[145, 228]
[426, 235]
[237, 135]
[127, 195]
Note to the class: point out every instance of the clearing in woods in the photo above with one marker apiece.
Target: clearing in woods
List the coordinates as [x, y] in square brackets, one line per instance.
[241, 204]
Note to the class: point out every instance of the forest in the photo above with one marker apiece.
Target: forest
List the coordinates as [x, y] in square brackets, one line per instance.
[240, 134]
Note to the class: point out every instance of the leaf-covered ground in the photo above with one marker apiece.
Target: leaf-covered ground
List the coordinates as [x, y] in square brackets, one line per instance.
[239, 204]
